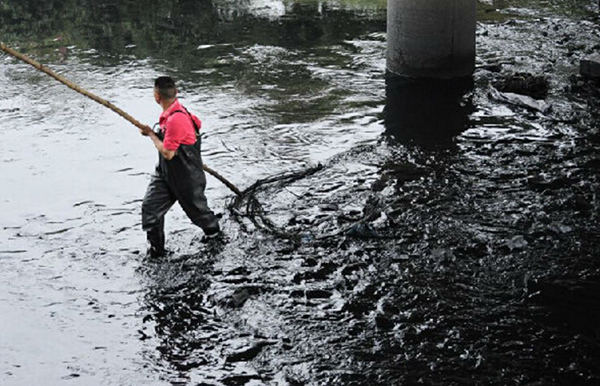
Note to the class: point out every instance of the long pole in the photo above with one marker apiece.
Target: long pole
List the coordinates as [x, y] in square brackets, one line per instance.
[103, 102]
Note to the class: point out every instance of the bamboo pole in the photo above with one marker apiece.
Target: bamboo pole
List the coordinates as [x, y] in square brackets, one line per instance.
[103, 102]
[224, 180]
[70, 84]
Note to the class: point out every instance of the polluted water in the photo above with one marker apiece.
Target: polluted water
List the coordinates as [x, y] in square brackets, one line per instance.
[403, 232]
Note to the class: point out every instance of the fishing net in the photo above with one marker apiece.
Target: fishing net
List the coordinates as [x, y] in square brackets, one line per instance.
[247, 204]
[328, 201]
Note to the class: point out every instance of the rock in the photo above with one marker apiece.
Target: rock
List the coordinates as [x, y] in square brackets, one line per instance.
[358, 307]
[247, 353]
[330, 207]
[350, 268]
[318, 294]
[239, 380]
[443, 255]
[364, 231]
[405, 172]
[238, 271]
[238, 298]
[240, 295]
[519, 100]
[310, 262]
[523, 83]
[311, 294]
[541, 182]
[383, 322]
[324, 270]
[380, 183]
[590, 66]
[492, 67]
[517, 243]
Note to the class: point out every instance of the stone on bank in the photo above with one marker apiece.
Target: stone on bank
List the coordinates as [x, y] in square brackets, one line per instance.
[590, 66]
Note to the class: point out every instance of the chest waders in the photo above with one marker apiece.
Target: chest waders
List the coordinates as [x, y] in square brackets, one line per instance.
[180, 179]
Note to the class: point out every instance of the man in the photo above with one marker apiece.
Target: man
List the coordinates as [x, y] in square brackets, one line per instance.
[179, 175]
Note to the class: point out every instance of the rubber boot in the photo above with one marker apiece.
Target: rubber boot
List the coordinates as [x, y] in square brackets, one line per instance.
[156, 238]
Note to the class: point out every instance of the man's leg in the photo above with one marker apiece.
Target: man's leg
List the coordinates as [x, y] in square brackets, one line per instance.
[157, 201]
[196, 208]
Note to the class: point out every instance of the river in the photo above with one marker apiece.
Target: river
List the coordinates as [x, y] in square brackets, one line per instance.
[451, 244]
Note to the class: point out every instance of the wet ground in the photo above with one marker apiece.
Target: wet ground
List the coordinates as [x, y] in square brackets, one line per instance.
[421, 257]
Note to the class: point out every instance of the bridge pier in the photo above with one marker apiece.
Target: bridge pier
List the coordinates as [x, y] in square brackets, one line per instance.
[431, 38]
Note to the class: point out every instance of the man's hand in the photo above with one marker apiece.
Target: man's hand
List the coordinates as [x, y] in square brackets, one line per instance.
[146, 130]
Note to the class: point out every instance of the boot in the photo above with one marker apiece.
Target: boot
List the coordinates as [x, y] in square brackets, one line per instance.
[156, 238]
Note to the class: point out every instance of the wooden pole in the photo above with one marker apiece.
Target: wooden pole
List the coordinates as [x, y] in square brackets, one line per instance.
[224, 180]
[103, 102]
[70, 84]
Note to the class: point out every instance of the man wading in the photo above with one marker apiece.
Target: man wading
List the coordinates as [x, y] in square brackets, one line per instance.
[179, 175]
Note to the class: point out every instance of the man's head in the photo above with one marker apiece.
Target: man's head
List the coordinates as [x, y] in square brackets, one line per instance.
[164, 89]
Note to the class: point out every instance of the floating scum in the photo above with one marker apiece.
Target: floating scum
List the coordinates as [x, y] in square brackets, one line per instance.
[244, 204]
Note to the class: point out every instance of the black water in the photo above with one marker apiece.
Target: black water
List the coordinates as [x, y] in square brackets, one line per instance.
[448, 240]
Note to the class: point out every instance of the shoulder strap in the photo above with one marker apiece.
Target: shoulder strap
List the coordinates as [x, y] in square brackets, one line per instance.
[189, 115]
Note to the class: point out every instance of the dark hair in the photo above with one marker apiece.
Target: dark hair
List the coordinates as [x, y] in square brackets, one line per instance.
[166, 87]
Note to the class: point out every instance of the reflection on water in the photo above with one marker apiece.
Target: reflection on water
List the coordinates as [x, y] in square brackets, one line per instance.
[176, 317]
[427, 110]
[161, 29]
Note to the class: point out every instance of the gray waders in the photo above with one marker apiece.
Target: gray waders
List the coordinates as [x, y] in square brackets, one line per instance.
[180, 179]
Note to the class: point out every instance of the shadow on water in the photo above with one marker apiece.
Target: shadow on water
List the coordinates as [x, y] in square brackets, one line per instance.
[178, 318]
[427, 111]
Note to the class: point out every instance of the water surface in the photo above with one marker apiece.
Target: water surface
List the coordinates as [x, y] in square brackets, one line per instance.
[454, 259]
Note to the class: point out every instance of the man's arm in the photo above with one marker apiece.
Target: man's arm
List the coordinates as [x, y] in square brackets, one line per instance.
[166, 153]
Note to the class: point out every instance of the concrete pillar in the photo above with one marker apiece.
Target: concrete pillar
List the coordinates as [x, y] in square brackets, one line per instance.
[431, 38]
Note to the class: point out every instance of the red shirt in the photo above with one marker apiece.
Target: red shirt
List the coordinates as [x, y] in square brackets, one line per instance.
[177, 128]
